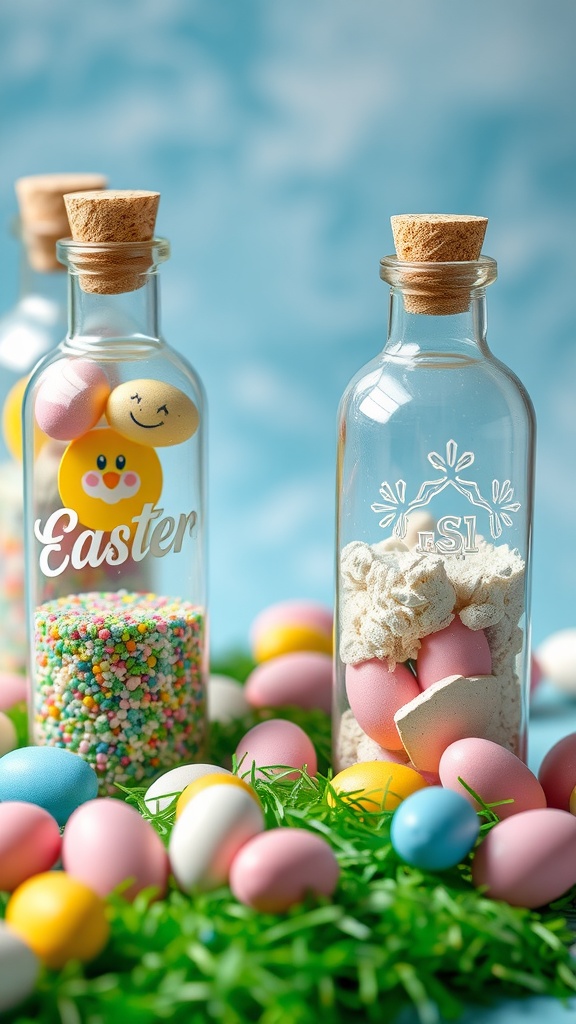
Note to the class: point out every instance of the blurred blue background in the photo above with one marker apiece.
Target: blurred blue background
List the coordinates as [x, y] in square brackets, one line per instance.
[282, 135]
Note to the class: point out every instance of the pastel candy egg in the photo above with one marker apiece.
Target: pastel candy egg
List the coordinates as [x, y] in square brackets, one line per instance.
[12, 690]
[209, 833]
[556, 657]
[557, 773]
[301, 678]
[30, 843]
[494, 773]
[528, 860]
[226, 699]
[71, 398]
[289, 626]
[276, 742]
[218, 779]
[152, 412]
[279, 868]
[375, 785]
[453, 651]
[162, 792]
[106, 842]
[8, 737]
[59, 917]
[19, 969]
[51, 777]
[434, 829]
[375, 694]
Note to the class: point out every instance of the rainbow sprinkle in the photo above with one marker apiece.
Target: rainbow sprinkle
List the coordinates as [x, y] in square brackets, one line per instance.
[119, 680]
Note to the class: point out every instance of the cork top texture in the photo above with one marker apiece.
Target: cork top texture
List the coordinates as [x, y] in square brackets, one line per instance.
[113, 216]
[437, 238]
[43, 212]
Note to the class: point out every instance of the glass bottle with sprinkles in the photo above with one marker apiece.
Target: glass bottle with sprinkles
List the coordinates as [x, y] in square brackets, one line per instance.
[434, 512]
[33, 326]
[114, 456]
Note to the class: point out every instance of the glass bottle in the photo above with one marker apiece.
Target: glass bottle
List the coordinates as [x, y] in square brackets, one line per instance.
[35, 324]
[115, 468]
[434, 510]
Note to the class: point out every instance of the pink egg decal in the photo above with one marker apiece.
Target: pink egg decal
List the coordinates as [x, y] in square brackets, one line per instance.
[71, 398]
[528, 860]
[30, 842]
[279, 868]
[557, 772]
[302, 678]
[276, 742]
[106, 842]
[375, 695]
[494, 773]
[453, 651]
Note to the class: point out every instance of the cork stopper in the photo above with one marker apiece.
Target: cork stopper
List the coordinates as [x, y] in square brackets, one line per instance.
[113, 216]
[444, 239]
[43, 213]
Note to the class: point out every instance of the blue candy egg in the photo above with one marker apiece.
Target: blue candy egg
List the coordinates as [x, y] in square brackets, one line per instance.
[54, 778]
[434, 828]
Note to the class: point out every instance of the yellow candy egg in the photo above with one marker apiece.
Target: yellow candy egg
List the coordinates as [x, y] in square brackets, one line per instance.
[59, 918]
[280, 639]
[205, 781]
[572, 805]
[376, 785]
[12, 420]
[152, 412]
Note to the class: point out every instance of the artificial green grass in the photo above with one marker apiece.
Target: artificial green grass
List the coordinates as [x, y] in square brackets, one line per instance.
[392, 936]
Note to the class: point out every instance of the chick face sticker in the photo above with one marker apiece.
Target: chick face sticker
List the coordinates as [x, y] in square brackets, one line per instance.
[151, 412]
[107, 478]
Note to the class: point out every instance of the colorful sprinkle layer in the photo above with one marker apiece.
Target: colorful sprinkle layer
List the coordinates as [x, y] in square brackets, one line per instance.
[119, 681]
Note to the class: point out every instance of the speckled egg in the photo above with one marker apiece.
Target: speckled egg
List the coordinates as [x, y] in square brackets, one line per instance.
[556, 657]
[375, 695]
[453, 651]
[107, 841]
[8, 737]
[30, 842]
[557, 773]
[375, 785]
[226, 699]
[51, 777]
[162, 792]
[19, 969]
[71, 398]
[209, 833]
[529, 859]
[494, 773]
[302, 678]
[279, 868]
[434, 828]
[276, 742]
[152, 412]
[288, 626]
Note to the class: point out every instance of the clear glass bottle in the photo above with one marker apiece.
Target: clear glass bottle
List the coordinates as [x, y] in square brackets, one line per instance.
[115, 516]
[434, 511]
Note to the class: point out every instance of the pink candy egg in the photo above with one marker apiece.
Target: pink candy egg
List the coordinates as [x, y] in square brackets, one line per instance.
[292, 613]
[375, 695]
[530, 859]
[12, 690]
[71, 398]
[303, 678]
[557, 772]
[494, 773]
[453, 651]
[107, 842]
[279, 868]
[29, 842]
[276, 742]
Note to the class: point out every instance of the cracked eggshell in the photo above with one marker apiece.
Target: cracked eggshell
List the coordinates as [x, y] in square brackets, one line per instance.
[453, 651]
[375, 694]
[494, 773]
[301, 678]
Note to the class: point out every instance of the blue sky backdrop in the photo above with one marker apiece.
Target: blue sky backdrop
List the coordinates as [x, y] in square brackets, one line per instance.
[282, 135]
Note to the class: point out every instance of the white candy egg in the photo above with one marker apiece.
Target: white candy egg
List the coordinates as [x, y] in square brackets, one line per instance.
[226, 699]
[556, 657]
[162, 792]
[19, 968]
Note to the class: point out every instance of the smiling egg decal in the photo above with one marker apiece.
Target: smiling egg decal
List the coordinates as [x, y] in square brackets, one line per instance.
[107, 479]
[151, 412]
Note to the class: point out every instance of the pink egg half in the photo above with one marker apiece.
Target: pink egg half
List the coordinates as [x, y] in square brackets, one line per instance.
[276, 742]
[30, 842]
[454, 651]
[12, 690]
[292, 613]
[557, 772]
[280, 868]
[528, 860]
[494, 773]
[302, 678]
[106, 842]
[375, 695]
[71, 398]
